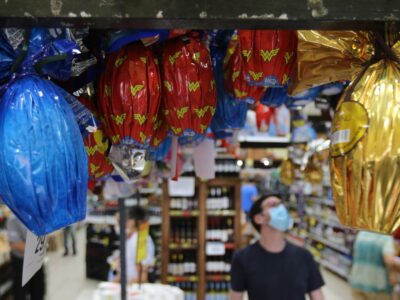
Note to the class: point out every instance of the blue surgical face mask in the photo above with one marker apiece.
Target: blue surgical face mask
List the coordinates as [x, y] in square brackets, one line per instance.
[280, 218]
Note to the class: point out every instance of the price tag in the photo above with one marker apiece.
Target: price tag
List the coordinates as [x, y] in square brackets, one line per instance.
[204, 159]
[35, 251]
[183, 187]
[215, 249]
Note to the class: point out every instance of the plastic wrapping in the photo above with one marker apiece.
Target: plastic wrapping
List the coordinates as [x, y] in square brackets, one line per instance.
[117, 39]
[365, 145]
[268, 56]
[97, 147]
[189, 91]
[275, 97]
[329, 56]
[235, 81]
[43, 162]
[264, 117]
[7, 57]
[129, 96]
[230, 114]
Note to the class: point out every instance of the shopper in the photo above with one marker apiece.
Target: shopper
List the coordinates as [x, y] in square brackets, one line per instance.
[373, 259]
[70, 231]
[136, 216]
[35, 288]
[272, 268]
[249, 194]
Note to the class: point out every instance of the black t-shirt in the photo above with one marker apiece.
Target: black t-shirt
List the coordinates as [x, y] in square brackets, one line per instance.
[288, 275]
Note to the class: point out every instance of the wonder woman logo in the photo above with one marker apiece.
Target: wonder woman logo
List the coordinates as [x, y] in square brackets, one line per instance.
[193, 86]
[212, 110]
[235, 75]
[182, 111]
[200, 112]
[144, 59]
[172, 58]
[246, 54]
[142, 137]
[288, 56]
[268, 55]
[157, 124]
[156, 141]
[94, 168]
[115, 138]
[101, 144]
[176, 131]
[118, 119]
[168, 85]
[240, 94]
[136, 89]
[119, 61]
[256, 76]
[196, 57]
[91, 150]
[140, 118]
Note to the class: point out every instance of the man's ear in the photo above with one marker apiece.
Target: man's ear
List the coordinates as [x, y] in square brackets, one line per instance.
[259, 219]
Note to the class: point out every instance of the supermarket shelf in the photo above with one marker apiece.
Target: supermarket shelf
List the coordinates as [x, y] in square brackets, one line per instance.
[324, 201]
[184, 213]
[182, 278]
[155, 220]
[221, 213]
[218, 277]
[262, 141]
[129, 202]
[330, 244]
[331, 223]
[101, 219]
[321, 219]
[111, 220]
[153, 190]
[183, 247]
[334, 268]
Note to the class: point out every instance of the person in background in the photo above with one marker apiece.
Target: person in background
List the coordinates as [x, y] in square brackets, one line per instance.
[69, 231]
[272, 268]
[35, 288]
[373, 259]
[249, 194]
[136, 216]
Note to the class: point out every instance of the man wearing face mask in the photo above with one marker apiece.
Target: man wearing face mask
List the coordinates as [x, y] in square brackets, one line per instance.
[272, 268]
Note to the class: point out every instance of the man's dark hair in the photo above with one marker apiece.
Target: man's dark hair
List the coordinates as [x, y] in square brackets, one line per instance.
[138, 214]
[256, 208]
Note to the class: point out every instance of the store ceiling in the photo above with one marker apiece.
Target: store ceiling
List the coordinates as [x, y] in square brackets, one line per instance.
[201, 14]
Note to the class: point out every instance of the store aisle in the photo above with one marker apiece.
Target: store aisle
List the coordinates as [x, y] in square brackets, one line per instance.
[66, 278]
[335, 287]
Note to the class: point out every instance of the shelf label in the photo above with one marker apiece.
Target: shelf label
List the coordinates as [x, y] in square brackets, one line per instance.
[204, 159]
[35, 251]
[215, 248]
[183, 187]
